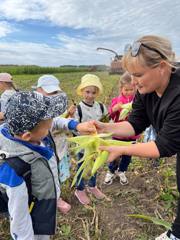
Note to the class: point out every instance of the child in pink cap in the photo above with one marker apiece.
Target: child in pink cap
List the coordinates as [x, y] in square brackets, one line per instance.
[118, 167]
[8, 89]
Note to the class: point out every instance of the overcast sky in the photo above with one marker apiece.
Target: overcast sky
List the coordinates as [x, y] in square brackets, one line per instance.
[60, 32]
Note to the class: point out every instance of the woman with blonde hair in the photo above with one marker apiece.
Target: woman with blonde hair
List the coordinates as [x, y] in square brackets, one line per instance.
[150, 62]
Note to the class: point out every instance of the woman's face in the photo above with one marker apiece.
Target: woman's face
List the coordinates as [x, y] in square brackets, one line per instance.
[146, 79]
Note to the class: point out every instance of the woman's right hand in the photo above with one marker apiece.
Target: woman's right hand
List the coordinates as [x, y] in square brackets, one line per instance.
[100, 126]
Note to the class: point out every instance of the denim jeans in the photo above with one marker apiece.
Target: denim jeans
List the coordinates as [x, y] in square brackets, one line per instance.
[120, 164]
[80, 185]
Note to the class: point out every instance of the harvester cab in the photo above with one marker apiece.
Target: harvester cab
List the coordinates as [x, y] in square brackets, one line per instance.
[116, 65]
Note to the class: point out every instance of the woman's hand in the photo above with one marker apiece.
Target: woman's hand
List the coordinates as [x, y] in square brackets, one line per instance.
[100, 126]
[114, 152]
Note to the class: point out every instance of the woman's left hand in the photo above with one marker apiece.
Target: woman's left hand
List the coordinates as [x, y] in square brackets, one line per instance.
[114, 152]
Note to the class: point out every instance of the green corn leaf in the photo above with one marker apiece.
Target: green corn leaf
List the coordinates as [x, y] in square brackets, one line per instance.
[156, 221]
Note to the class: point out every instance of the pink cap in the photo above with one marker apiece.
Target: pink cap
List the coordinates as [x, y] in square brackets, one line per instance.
[5, 77]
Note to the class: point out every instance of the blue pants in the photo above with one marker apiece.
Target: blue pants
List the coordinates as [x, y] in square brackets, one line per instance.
[120, 164]
[81, 185]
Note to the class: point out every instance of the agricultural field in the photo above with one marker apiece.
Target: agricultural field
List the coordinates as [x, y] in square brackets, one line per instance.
[69, 83]
[151, 191]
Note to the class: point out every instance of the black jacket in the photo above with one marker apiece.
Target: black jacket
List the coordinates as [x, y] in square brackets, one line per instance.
[163, 113]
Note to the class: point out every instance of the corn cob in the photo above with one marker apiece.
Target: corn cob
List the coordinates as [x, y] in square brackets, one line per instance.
[103, 155]
[126, 109]
[105, 118]
[93, 158]
[100, 160]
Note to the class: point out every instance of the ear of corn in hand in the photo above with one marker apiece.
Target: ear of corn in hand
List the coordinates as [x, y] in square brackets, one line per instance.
[105, 118]
[93, 158]
[126, 109]
[100, 160]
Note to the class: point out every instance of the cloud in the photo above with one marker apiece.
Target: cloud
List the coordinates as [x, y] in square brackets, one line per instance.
[5, 28]
[20, 10]
[100, 23]
[100, 16]
[44, 55]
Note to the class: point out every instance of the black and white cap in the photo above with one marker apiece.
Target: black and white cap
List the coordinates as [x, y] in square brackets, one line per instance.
[26, 109]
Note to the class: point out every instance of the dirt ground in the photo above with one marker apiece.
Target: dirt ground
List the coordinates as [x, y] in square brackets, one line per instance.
[135, 198]
[108, 219]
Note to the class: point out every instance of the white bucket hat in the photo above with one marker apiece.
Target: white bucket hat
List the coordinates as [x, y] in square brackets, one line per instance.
[48, 83]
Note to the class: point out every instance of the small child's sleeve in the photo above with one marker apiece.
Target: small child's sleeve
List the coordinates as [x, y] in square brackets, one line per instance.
[60, 123]
[114, 115]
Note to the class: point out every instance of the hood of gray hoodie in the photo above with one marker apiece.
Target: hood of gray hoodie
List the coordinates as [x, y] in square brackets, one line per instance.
[15, 149]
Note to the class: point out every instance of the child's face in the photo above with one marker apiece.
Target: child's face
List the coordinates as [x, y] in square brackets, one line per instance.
[2, 86]
[127, 90]
[89, 94]
[39, 132]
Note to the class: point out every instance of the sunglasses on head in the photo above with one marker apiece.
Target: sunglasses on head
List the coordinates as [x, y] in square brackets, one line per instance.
[135, 48]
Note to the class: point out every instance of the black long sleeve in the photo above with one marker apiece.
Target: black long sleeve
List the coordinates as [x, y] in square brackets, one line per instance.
[164, 115]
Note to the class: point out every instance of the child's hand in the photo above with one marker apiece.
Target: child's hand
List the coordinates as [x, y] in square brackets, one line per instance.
[86, 128]
[117, 107]
[71, 111]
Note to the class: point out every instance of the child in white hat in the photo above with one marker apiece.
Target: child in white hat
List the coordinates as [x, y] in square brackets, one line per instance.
[88, 109]
[48, 84]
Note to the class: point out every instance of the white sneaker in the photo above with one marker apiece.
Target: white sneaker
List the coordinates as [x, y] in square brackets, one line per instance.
[109, 178]
[164, 236]
[123, 178]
